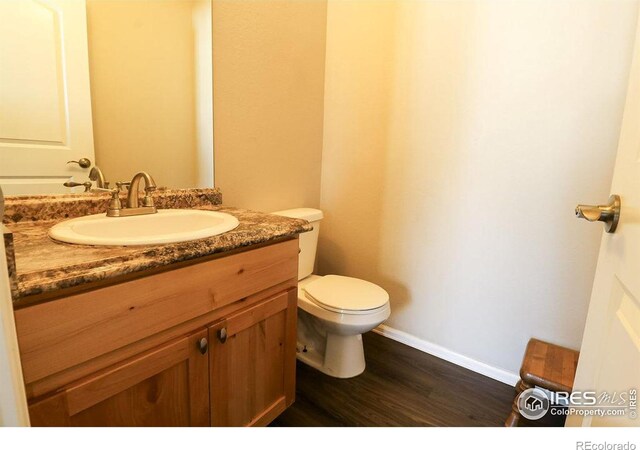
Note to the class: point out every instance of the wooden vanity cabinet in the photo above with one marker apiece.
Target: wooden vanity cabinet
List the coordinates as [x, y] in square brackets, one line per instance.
[161, 387]
[212, 343]
[253, 363]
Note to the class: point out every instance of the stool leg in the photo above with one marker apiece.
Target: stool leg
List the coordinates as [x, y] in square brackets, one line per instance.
[514, 417]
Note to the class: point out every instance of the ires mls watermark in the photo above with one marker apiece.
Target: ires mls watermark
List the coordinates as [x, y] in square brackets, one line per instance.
[590, 445]
[535, 403]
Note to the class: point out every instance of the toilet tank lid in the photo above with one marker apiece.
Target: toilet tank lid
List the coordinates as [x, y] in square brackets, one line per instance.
[309, 214]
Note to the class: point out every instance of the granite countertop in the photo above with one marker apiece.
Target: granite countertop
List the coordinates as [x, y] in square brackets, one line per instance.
[43, 265]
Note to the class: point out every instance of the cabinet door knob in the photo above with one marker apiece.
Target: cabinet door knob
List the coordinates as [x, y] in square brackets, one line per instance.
[203, 345]
[222, 335]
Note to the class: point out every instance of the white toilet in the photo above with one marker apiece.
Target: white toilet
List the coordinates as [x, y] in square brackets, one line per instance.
[333, 311]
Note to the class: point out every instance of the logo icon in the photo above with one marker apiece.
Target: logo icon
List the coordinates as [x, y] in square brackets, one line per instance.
[533, 403]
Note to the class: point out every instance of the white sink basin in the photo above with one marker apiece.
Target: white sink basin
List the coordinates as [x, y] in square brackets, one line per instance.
[167, 226]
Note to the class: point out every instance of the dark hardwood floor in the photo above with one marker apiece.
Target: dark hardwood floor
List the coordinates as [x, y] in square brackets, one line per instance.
[400, 387]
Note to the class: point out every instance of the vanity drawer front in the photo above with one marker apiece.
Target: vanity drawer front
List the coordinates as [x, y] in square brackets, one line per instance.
[60, 334]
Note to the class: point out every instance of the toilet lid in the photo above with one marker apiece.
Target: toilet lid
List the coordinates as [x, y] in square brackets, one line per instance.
[346, 293]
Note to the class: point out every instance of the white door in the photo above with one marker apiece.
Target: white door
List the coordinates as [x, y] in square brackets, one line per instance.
[610, 355]
[45, 100]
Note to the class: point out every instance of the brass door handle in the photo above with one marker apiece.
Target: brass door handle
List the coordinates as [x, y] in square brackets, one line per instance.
[609, 213]
[85, 163]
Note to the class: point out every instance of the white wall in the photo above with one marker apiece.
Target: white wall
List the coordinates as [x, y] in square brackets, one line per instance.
[458, 137]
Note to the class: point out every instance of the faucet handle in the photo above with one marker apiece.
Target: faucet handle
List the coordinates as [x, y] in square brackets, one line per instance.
[115, 205]
[149, 187]
[123, 185]
[71, 184]
[147, 200]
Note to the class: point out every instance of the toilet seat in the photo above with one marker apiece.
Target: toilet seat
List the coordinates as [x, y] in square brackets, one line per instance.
[346, 295]
[330, 339]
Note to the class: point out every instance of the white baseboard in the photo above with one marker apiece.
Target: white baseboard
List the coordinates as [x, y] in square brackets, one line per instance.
[496, 373]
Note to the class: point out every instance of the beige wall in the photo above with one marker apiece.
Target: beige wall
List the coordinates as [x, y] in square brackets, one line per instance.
[142, 58]
[458, 137]
[268, 73]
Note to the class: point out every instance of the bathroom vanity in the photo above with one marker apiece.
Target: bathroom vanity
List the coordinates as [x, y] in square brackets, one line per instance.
[195, 333]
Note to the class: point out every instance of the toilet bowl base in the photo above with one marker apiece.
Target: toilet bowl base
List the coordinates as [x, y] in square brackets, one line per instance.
[343, 356]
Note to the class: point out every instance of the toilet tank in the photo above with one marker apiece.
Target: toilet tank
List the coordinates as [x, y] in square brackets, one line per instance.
[308, 240]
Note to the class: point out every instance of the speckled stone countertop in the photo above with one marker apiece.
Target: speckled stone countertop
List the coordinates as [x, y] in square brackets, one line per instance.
[43, 265]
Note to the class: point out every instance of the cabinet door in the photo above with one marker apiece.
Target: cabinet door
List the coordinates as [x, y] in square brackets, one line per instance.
[253, 363]
[167, 386]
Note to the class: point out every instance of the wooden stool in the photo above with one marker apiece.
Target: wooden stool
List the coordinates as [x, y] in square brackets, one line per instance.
[547, 366]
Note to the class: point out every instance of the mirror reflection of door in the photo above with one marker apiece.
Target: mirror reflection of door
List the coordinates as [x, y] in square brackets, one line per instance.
[130, 79]
[45, 104]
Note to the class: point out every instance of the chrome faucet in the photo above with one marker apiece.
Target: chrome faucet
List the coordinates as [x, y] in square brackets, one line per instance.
[94, 175]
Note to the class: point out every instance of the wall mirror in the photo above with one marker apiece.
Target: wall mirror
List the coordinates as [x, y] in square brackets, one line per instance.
[124, 85]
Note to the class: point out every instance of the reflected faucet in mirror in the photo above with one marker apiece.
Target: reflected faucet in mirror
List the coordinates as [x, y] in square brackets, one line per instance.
[95, 175]
[71, 184]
